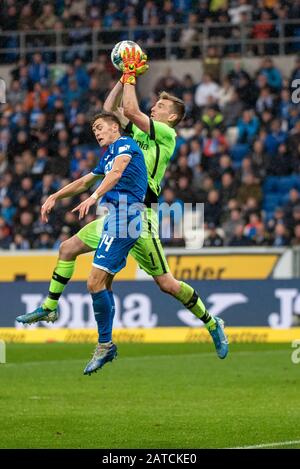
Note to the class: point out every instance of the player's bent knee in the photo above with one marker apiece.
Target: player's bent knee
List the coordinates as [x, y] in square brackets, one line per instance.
[92, 285]
[70, 249]
[167, 284]
[96, 281]
[65, 250]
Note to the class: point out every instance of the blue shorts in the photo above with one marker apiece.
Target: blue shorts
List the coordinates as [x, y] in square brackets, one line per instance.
[120, 232]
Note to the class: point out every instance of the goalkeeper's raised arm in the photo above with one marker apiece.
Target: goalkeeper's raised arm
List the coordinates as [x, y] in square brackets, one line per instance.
[114, 98]
[134, 64]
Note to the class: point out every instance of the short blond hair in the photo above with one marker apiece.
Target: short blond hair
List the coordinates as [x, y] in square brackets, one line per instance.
[178, 106]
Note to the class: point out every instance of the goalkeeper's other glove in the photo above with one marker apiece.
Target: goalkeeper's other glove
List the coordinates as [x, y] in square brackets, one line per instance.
[134, 64]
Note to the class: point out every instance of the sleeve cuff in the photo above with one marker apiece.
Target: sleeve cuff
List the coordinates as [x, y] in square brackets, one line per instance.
[124, 154]
[128, 128]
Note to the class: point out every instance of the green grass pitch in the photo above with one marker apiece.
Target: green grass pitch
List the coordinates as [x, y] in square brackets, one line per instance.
[152, 396]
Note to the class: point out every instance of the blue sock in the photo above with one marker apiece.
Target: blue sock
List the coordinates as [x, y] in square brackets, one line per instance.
[102, 310]
[113, 308]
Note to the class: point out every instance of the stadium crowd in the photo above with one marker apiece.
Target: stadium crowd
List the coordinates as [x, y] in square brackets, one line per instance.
[87, 19]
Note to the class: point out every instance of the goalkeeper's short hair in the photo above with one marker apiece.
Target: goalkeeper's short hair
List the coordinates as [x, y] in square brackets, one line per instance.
[178, 106]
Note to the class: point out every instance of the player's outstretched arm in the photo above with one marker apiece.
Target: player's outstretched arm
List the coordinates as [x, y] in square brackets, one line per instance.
[132, 110]
[114, 98]
[111, 179]
[74, 188]
[134, 64]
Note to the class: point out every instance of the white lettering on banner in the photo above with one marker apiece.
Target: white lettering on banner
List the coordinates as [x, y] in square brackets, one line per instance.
[135, 309]
[220, 302]
[189, 319]
[117, 319]
[2, 351]
[76, 311]
[138, 311]
[80, 304]
[296, 93]
[284, 318]
[295, 357]
[2, 91]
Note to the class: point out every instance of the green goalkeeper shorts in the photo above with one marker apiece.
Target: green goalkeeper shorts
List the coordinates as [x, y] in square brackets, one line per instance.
[147, 251]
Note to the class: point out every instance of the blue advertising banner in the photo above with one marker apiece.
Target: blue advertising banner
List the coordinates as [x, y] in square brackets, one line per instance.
[274, 303]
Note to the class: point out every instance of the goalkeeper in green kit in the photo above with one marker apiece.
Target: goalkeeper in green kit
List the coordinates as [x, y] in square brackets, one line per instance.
[156, 137]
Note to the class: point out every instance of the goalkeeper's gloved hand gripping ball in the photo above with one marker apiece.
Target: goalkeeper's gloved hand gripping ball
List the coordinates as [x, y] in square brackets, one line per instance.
[134, 64]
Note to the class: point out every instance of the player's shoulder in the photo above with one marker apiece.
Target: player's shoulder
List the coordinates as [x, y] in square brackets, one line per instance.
[124, 139]
[125, 143]
[160, 130]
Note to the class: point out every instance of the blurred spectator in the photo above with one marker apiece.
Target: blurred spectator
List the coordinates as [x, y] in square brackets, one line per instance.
[253, 225]
[189, 36]
[43, 241]
[296, 71]
[259, 160]
[248, 127]
[47, 19]
[240, 7]
[263, 29]
[213, 239]
[272, 73]
[212, 64]
[249, 188]
[232, 110]
[194, 157]
[275, 138]
[19, 243]
[168, 83]
[206, 92]
[212, 118]
[262, 237]
[26, 19]
[239, 239]
[38, 70]
[280, 236]
[3, 163]
[184, 191]
[213, 208]
[229, 226]
[228, 189]
[226, 93]
[296, 238]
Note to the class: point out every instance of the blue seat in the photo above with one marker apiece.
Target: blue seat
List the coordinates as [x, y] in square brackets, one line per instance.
[286, 184]
[236, 164]
[239, 151]
[269, 215]
[271, 184]
[273, 197]
[271, 201]
[296, 181]
[285, 198]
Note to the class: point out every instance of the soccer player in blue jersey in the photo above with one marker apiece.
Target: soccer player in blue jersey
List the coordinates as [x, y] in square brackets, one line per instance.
[123, 191]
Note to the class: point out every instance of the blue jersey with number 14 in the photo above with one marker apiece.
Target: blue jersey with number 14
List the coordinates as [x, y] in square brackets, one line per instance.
[133, 182]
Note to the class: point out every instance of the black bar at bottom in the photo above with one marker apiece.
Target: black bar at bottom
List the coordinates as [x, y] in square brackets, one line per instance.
[145, 457]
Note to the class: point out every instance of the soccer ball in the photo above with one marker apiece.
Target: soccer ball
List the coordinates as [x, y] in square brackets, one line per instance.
[116, 53]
